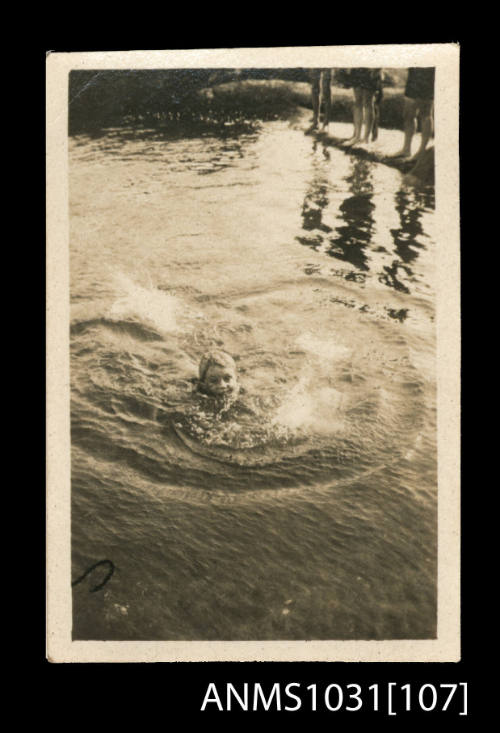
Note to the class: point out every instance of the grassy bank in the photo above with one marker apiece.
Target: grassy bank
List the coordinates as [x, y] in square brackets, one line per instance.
[182, 97]
[278, 98]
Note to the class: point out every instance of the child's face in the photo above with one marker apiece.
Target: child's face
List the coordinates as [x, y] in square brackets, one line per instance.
[221, 381]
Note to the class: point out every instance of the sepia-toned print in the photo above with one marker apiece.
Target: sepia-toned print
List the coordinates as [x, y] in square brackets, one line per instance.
[253, 355]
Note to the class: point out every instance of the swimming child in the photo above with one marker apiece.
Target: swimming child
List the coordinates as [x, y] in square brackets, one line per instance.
[214, 401]
[218, 378]
[220, 415]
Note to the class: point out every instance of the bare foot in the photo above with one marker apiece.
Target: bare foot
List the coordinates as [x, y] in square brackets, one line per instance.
[349, 143]
[400, 154]
[312, 128]
[417, 155]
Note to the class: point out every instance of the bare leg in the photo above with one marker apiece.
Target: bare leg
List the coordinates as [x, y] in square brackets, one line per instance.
[368, 113]
[376, 116]
[315, 89]
[426, 123]
[410, 110]
[357, 113]
[326, 94]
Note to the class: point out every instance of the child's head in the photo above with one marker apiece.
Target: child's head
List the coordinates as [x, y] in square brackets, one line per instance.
[217, 374]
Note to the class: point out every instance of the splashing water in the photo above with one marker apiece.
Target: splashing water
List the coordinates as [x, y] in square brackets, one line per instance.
[147, 304]
[318, 410]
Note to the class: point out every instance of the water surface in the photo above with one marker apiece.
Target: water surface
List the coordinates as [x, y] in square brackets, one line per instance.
[315, 270]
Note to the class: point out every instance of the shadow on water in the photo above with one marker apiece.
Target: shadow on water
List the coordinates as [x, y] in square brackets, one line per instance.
[409, 207]
[355, 235]
[354, 239]
[131, 130]
[405, 239]
[351, 238]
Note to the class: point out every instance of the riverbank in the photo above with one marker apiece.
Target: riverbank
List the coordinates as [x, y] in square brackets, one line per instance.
[188, 107]
[272, 97]
[388, 142]
[113, 99]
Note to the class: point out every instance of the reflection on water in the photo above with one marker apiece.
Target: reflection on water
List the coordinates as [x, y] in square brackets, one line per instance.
[110, 137]
[356, 237]
[394, 275]
[409, 208]
[315, 201]
[356, 211]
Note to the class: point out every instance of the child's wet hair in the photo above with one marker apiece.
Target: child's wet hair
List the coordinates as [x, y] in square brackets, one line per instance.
[215, 358]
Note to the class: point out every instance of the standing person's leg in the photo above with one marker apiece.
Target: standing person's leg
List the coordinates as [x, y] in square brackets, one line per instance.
[425, 109]
[326, 95]
[357, 113]
[315, 77]
[419, 95]
[409, 113]
[377, 98]
[368, 113]
[378, 93]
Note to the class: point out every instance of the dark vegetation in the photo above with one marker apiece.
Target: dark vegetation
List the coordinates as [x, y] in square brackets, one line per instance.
[179, 98]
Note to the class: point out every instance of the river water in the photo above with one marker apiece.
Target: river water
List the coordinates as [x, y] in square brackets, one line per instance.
[317, 518]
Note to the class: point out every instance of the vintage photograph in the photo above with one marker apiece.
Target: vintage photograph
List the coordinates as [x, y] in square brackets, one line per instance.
[249, 261]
